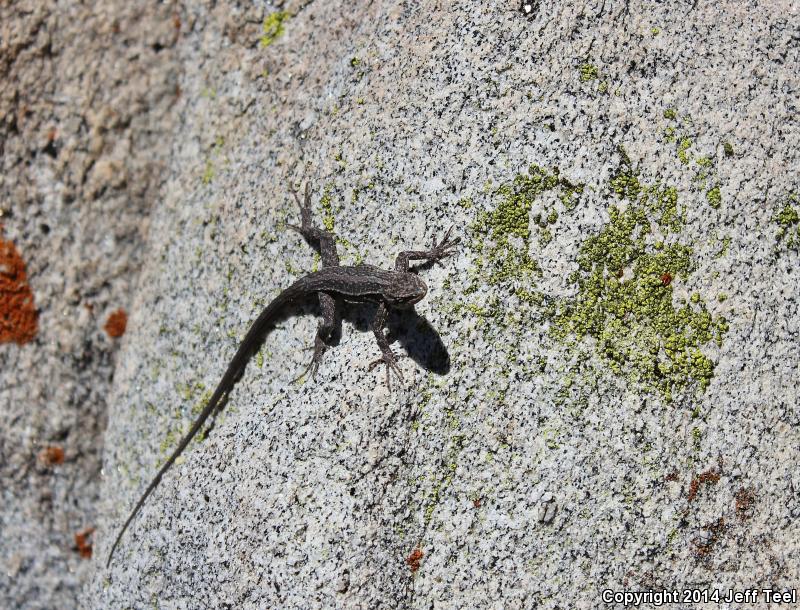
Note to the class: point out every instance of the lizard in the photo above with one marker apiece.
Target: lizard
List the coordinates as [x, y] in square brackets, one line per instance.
[399, 288]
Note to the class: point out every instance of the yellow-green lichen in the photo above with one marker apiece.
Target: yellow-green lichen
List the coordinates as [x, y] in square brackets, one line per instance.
[588, 72]
[326, 203]
[505, 232]
[625, 181]
[339, 158]
[788, 220]
[169, 440]
[502, 247]
[208, 173]
[787, 217]
[624, 298]
[683, 147]
[201, 402]
[726, 243]
[273, 27]
[697, 437]
[714, 197]
[623, 286]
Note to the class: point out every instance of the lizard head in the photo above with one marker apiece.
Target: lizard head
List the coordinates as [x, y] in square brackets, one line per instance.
[407, 290]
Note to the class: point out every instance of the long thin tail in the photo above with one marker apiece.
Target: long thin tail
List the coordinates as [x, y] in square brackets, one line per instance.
[237, 364]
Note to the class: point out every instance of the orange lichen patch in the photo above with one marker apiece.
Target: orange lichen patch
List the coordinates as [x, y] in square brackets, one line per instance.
[116, 324]
[709, 476]
[745, 498]
[82, 544]
[51, 456]
[18, 318]
[415, 559]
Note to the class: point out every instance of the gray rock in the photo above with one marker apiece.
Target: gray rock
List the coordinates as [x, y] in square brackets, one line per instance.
[620, 323]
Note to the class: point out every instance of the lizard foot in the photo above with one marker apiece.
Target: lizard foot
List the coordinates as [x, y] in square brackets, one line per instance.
[445, 247]
[313, 366]
[390, 360]
[305, 203]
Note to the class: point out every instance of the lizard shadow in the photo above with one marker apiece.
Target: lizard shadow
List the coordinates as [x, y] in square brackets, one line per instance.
[417, 337]
[413, 332]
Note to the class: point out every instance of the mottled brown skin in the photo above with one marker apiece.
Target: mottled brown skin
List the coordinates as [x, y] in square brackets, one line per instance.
[361, 284]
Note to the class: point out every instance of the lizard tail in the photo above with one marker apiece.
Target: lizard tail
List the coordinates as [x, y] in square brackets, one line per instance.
[251, 340]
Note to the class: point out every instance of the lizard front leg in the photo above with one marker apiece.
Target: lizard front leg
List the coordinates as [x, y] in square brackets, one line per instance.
[439, 250]
[388, 358]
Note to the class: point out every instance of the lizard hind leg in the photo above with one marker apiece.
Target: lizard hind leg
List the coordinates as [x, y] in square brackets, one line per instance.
[390, 360]
[387, 355]
[313, 366]
[324, 331]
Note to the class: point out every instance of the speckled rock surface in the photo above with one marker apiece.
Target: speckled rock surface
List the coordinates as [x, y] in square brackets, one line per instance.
[86, 93]
[619, 411]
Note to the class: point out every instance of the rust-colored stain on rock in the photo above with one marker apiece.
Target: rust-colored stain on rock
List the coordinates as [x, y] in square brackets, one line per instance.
[415, 559]
[51, 456]
[116, 323]
[18, 318]
[82, 543]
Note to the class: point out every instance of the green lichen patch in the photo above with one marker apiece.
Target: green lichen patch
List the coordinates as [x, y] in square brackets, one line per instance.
[703, 167]
[684, 144]
[273, 27]
[624, 308]
[661, 202]
[208, 173]
[788, 221]
[625, 180]
[504, 233]
[326, 203]
[727, 148]
[624, 299]
[588, 72]
[714, 197]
